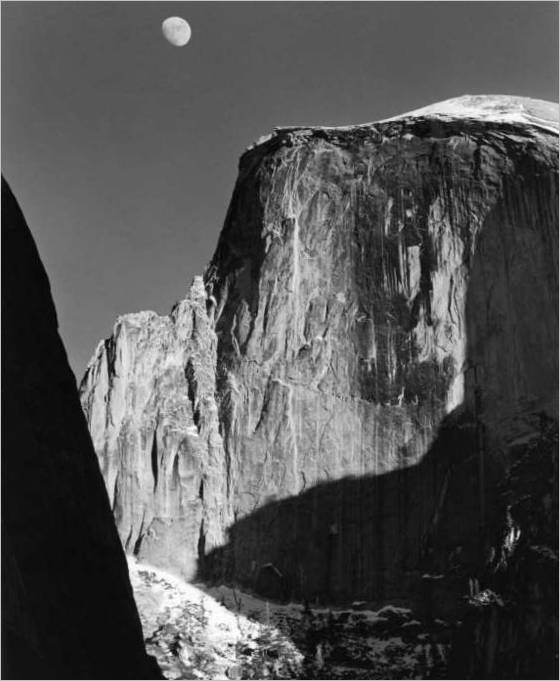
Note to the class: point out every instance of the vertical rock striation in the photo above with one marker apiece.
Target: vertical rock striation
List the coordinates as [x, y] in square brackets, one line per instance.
[375, 284]
[67, 604]
[377, 327]
[148, 395]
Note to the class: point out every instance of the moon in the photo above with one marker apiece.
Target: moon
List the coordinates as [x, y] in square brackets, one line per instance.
[176, 31]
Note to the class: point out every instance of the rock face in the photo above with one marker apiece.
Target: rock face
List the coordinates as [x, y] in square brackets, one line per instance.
[149, 397]
[330, 411]
[67, 605]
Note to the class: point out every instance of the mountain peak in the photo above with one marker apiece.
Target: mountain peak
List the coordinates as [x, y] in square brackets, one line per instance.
[511, 109]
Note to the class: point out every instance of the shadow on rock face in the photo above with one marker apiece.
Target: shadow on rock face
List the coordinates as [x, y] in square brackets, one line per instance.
[482, 557]
[510, 626]
[369, 538]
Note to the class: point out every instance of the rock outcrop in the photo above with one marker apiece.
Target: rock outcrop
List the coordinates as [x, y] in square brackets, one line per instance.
[329, 413]
[67, 605]
[149, 395]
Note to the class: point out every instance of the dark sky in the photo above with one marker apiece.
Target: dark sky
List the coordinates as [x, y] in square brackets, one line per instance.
[122, 150]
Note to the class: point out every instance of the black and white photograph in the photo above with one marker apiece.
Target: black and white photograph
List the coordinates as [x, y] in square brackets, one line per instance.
[279, 339]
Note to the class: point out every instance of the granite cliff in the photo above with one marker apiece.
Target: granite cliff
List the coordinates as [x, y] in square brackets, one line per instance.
[330, 412]
[149, 395]
[67, 605]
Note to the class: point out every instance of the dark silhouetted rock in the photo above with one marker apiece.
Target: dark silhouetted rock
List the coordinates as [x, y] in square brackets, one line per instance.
[67, 604]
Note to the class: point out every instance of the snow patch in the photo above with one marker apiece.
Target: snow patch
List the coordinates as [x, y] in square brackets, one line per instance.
[192, 635]
[496, 108]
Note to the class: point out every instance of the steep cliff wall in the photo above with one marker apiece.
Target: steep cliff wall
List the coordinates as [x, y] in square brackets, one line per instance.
[149, 398]
[67, 605]
[384, 303]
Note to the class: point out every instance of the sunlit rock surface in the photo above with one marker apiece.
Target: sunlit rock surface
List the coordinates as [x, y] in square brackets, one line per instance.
[67, 606]
[327, 414]
[148, 394]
